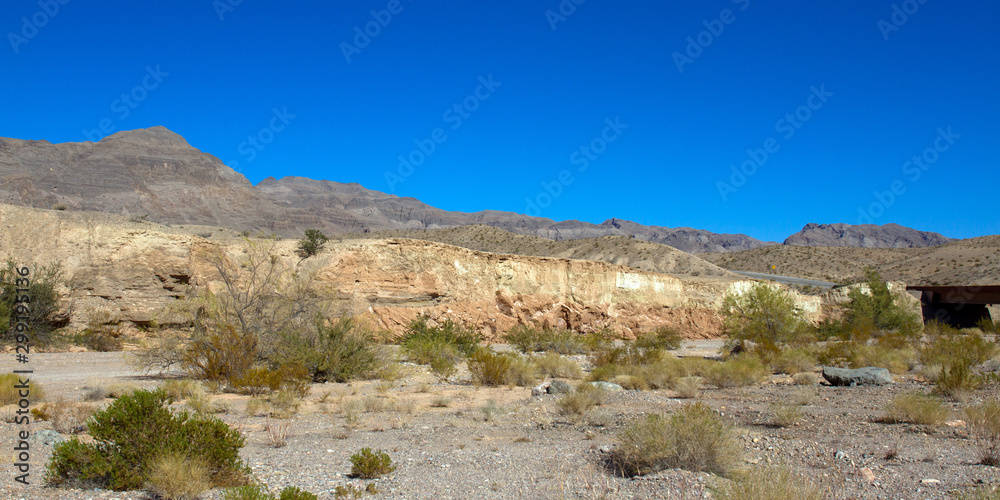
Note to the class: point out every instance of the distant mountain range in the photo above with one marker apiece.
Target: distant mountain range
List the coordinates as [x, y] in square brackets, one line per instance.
[156, 173]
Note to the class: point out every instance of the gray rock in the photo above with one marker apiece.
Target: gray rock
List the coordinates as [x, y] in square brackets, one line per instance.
[868, 375]
[541, 389]
[607, 386]
[559, 387]
[47, 437]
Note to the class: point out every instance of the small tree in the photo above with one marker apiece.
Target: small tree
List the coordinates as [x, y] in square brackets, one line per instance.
[880, 307]
[43, 312]
[311, 243]
[765, 315]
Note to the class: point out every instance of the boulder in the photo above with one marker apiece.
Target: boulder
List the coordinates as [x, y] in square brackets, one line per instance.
[559, 387]
[541, 389]
[868, 375]
[607, 386]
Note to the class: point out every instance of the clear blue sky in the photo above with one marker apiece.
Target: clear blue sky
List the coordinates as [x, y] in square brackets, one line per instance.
[688, 113]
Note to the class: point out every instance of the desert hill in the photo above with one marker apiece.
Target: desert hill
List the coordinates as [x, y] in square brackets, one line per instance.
[864, 236]
[974, 261]
[619, 250]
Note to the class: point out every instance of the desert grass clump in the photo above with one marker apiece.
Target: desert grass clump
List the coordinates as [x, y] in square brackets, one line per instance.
[693, 438]
[555, 365]
[739, 371]
[182, 388]
[367, 464]
[522, 373]
[778, 483]
[177, 477]
[915, 408]
[984, 428]
[136, 431]
[585, 397]
[10, 390]
[441, 402]
[260, 492]
[785, 415]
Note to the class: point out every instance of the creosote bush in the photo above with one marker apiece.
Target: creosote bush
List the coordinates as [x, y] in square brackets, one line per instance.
[311, 243]
[43, 313]
[762, 319]
[492, 368]
[367, 464]
[693, 438]
[529, 339]
[423, 343]
[134, 433]
[337, 351]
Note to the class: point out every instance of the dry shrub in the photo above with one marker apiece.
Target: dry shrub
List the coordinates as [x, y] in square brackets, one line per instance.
[693, 438]
[492, 369]
[584, 398]
[805, 378]
[630, 382]
[556, 366]
[857, 354]
[177, 477]
[984, 428]
[777, 483]
[915, 408]
[66, 417]
[523, 373]
[688, 387]
[785, 415]
[441, 402]
[202, 404]
[278, 432]
[793, 361]
[739, 371]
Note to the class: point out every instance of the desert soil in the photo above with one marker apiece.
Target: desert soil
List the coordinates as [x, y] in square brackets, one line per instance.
[527, 449]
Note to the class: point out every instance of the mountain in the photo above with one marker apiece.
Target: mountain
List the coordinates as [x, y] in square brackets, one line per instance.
[864, 236]
[138, 172]
[155, 173]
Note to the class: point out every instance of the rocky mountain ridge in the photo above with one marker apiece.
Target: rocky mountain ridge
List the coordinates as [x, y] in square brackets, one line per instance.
[155, 173]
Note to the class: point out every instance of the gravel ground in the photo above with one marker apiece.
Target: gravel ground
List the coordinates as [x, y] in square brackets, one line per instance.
[527, 449]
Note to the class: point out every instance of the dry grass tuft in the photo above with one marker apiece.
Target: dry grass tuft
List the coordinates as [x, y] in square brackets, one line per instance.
[915, 408]
[769, 484]
[693, 438]
[176, 477]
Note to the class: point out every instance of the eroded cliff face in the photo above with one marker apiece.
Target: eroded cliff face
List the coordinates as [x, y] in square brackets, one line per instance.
[135, 270]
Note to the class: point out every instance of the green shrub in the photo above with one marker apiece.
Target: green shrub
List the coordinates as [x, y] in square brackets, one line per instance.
[693, 438]
[778, 483]
[43, 314]
[443, 366]
[664, 337]
[881, 308]
[136, 431]
[764, 316]
[490, 368]
[370, 465]
[855, 354]
[294, 493]
[530, 339]
[915, 408]
[311, 243]
[984, 428]
[336, 351]
[423, 343]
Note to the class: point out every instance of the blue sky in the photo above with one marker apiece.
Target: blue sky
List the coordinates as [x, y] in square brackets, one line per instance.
[646, 111]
